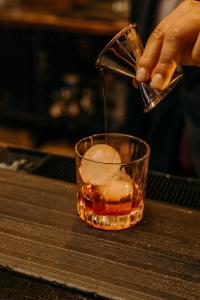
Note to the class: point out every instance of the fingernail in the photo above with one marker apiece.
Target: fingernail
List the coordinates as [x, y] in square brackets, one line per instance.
[157, 82]
[142, 74]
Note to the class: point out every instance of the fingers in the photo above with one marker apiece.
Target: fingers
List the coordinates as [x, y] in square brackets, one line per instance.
[153, 47]
[160, 58]
[173, 45]
[150, 56]
[180, 45]
[135, 83]
[196, 52]
[175, 40]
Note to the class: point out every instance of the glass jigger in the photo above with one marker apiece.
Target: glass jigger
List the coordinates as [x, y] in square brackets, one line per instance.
[111, 172]
[121, 55]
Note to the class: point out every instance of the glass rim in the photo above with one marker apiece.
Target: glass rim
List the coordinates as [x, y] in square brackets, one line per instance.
[90, 137]
[132, 25]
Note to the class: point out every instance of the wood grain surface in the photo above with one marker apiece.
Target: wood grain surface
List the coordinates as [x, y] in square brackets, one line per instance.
[42, 236]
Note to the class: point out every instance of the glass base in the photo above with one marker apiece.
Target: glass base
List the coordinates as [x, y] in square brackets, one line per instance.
[110, 222]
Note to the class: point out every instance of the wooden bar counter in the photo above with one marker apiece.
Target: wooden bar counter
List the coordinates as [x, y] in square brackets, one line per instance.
[42, 237]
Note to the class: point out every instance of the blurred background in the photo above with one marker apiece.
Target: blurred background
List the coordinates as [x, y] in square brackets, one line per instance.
[51, 92]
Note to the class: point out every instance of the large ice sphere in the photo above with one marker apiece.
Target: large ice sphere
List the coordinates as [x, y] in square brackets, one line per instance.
[120, 186]
[99, 164]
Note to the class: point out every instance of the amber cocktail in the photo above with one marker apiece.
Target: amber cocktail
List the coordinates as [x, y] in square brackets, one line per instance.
[111, 180]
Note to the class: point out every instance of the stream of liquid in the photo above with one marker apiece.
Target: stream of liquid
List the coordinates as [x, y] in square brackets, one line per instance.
[105, 110]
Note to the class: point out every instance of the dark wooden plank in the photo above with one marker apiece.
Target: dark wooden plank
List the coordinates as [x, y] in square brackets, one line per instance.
[15, 286]
[42, 236]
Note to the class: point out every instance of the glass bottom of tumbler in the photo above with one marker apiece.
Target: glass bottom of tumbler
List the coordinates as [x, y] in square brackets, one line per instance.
[110, 221]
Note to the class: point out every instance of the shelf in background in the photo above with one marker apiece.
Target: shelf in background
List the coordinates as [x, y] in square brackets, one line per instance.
[46, 19]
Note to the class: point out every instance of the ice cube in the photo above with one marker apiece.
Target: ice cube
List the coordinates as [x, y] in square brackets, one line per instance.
[99, 164]
[118, 187]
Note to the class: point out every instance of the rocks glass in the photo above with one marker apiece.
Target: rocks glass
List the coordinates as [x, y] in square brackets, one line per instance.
[111, 172]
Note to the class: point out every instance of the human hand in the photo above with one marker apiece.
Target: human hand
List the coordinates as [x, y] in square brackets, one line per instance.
[175, 41]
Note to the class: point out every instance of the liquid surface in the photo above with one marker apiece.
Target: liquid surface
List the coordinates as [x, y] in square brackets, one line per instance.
[109, 215]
